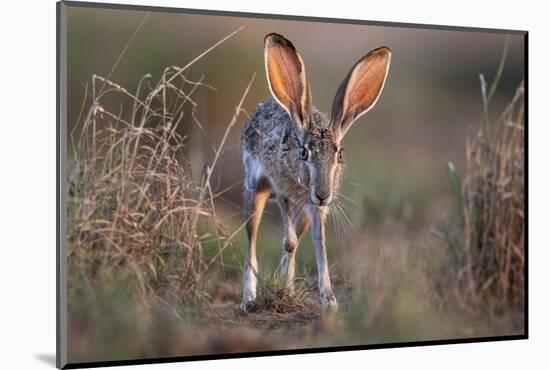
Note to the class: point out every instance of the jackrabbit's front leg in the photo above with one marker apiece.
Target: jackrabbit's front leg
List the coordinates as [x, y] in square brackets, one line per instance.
[318, 216]
[290, 243]
[294, 225]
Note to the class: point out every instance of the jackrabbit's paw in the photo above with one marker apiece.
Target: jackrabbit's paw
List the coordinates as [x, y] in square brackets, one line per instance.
[328, 302]
[245, 306]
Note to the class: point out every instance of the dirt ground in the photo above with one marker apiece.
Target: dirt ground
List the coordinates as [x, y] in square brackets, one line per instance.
[224, 312]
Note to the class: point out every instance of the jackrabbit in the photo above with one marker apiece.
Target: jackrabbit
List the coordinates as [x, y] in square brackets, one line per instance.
[291, 153]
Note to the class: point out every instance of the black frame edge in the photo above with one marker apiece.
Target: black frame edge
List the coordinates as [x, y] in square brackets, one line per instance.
[526, 184]
[61, 66]
[57, 191]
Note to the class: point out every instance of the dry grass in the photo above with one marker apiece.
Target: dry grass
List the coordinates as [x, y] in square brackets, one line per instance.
[494, 203]
[272, 297]
[487, 255]
[136, 212]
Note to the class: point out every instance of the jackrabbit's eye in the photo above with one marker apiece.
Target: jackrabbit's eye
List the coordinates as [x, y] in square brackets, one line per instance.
[340, 155]
[304, 153]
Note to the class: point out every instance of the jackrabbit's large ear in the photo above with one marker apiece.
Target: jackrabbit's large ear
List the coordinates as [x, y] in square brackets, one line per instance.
[360, 89]
[287, 79]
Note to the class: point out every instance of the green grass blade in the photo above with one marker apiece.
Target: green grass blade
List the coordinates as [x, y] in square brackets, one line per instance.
[456, 187]
[498, 75]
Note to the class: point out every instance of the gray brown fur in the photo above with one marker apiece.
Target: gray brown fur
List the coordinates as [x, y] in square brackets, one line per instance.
[270, 138]
[270, 146]
[291, 153]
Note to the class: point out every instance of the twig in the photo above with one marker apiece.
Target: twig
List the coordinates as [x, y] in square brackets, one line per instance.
[115, 65]
[210, 168]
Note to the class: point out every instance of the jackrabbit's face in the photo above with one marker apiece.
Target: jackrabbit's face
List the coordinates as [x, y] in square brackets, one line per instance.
[320, 151]
[321, 163]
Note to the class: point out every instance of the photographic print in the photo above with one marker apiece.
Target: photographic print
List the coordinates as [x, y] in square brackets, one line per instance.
[237, 184]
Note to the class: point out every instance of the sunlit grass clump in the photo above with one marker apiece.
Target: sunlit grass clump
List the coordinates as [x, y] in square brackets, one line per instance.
[488, 236]
[494, 219]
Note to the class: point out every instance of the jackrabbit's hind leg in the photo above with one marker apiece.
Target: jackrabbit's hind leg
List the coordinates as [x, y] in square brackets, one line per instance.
[254, 203]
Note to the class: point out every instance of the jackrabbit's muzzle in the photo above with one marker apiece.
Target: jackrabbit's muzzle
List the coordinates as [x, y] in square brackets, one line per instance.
[321, 195]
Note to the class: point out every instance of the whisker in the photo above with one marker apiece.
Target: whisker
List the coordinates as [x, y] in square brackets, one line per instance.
[297, 207]
[348, 198]
[341, 222]
[351, 220]
[351, 227]
[339, 225]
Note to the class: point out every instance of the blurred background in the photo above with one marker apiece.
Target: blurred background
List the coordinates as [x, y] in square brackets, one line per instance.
[396, 155]
[402, 145]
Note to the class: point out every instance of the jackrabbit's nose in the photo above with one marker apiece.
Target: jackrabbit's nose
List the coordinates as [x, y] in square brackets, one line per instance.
[322, 194]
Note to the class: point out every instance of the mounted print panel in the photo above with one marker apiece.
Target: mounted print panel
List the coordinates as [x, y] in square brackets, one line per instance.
[236, 184]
